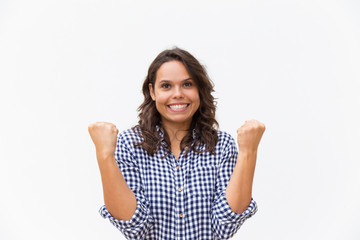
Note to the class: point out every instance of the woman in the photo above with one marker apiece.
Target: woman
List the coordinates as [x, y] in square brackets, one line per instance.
[179, 177]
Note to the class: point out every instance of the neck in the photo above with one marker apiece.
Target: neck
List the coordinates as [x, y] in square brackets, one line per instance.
[176, 132]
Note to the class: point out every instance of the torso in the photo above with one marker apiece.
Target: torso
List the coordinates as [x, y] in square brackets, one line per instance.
[177, 184]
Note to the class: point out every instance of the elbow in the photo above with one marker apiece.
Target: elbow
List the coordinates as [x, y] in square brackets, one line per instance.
[238, 203]
[123, 215]
[124, 210]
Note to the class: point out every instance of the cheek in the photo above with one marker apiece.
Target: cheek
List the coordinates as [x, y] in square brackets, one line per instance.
[198, 104]
[159, 105]
[196, 98]
[161, 100]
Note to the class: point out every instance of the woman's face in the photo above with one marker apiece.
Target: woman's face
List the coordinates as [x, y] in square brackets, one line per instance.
[176, 95]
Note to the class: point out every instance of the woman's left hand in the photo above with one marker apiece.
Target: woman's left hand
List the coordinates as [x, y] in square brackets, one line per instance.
[249, 136]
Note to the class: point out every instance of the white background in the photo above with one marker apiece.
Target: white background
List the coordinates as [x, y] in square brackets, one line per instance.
[293, 65]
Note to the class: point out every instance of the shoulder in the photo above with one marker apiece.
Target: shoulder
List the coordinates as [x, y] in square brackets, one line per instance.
[226, 143]
[130, 136]
[127, 152]
[224, 138]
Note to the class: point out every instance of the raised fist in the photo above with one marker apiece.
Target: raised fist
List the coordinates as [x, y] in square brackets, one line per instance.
[249, 136]
[104, 136]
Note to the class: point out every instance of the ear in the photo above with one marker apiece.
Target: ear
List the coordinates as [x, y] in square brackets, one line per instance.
[151, 90]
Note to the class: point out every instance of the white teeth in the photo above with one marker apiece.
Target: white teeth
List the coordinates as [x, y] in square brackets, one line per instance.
[178, 106]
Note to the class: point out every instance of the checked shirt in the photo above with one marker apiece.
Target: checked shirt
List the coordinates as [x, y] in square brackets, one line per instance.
[178, 199]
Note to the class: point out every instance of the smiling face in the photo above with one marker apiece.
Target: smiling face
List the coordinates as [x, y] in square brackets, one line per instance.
[175, 94]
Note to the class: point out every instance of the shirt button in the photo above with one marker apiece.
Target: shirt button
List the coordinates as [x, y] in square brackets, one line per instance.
[177, 166]
[180, 189]
[181, 215]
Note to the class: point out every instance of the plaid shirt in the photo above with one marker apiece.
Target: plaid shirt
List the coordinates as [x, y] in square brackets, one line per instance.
[178, 199]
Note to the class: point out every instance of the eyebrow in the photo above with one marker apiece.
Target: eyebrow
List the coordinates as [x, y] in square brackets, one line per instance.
[187, 79]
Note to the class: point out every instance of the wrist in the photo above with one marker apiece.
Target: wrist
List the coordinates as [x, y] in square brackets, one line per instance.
[104, 157]
[247, 159]
[248, 152]
[107, 164]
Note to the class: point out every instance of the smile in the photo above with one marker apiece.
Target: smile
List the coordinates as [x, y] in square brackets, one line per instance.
[178, 107]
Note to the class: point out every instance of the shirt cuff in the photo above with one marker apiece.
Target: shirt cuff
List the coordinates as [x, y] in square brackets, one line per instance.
[225, 215]
[140, 218]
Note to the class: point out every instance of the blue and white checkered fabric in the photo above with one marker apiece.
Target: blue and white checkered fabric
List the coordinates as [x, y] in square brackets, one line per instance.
[178, 199]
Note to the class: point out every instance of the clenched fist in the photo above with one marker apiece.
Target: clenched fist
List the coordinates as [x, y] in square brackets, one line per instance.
[249, 136]
[104, 136]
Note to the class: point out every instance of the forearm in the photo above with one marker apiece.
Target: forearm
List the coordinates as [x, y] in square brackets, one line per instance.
[239, 190]
[118, 197]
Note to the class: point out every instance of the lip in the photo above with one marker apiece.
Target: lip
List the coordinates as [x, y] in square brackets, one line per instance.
[179, 103]
[178, 110]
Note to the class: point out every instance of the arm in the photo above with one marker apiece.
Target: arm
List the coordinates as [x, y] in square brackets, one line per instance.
[141, 221]
[239, 189]
[118, 197]
[225, 221]
[125, 204]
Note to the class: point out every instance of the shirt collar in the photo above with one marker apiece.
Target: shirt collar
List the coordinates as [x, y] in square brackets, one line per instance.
[194, 134]
[161, 132]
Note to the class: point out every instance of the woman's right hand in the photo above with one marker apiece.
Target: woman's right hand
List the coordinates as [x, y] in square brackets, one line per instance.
[104, 136]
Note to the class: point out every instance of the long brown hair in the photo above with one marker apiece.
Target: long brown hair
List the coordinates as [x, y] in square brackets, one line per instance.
[203, 121]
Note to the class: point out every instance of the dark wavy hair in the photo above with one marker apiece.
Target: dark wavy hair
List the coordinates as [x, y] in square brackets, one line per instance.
[203, 121]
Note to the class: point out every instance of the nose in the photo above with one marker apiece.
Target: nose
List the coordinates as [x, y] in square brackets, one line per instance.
[178, 92]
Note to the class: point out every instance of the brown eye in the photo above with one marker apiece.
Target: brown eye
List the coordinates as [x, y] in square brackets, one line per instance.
[165, 85]
[188, 84]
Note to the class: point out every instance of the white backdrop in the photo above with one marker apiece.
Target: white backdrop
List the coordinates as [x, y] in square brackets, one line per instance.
[293, 65]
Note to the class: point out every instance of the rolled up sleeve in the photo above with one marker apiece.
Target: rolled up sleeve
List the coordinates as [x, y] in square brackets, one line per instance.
[141, 221]
[135, 228]
[226, 222]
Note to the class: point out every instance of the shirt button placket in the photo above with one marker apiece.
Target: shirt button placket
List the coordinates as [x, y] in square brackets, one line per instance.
[179, 200]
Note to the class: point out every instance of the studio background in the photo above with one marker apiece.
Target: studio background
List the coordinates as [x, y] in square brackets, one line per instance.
[293, 65]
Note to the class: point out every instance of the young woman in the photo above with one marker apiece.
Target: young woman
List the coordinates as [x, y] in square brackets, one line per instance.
[174, 176]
